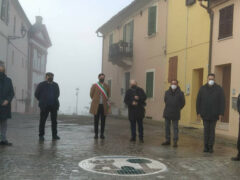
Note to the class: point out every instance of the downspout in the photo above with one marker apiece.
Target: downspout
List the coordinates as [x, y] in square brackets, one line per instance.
[211, 15]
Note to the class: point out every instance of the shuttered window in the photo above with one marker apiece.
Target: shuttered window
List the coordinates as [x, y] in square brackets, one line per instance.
[4, 10]
[110, 85]
[152, 20]
[226, 22]
[173, 66]
[149, 84]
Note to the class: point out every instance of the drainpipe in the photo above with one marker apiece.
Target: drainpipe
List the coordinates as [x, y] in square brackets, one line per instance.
[211, 15]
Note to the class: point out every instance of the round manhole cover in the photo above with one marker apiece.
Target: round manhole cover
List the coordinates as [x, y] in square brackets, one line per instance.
[123, 165]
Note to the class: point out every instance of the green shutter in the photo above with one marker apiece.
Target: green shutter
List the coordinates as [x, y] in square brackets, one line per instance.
[152, 20]
[149, 84]
[110, 39]
[125, 33]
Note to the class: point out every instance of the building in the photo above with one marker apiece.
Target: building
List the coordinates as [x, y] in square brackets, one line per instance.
[15, 40]
[225, 58]
[39, 42]
[134, 47]
[188, 52]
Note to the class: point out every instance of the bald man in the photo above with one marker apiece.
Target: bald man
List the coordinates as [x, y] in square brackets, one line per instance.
[135, 100]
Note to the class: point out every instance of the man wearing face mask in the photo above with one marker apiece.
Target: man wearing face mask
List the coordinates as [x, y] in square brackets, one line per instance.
[174, 102]
[135, 100]
[100, 106]
[6, 96]
[47, 93]
[210, 107]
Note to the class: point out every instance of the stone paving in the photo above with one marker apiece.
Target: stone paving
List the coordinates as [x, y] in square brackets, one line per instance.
[30, 160]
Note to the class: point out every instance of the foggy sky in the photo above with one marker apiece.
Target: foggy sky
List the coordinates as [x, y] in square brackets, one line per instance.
[75, 57]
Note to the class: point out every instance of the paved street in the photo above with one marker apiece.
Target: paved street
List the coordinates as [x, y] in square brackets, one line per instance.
[30, 160]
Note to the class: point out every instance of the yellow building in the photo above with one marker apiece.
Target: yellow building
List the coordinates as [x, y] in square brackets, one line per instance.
[188, 39]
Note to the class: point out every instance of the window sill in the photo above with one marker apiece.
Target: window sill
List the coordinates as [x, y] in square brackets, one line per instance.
[226, 38]
[151, 36]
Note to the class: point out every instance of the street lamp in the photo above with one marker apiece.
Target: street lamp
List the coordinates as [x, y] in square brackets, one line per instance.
[77, 93]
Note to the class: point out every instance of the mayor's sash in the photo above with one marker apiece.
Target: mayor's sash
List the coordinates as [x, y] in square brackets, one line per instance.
[105, 95]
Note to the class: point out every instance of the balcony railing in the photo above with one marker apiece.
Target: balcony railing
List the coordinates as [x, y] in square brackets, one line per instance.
[120, 52]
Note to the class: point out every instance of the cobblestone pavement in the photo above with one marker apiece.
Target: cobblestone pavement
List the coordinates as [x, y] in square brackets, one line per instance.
[30, 160]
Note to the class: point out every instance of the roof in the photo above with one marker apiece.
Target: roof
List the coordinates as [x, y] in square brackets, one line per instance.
[117, 20]
[21, 11]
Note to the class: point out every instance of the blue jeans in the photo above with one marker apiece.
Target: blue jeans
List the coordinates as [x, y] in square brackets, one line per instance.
[168, 123]
[3, 130]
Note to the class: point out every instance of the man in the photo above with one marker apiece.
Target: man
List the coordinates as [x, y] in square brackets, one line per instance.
[238, 143]
[210, 107]
[6, 96]
[47, 93]
[135, 100]
[100, 106]
[174, 102]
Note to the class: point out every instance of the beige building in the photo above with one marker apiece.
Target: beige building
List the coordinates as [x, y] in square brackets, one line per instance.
[134, 47]
[225, 58]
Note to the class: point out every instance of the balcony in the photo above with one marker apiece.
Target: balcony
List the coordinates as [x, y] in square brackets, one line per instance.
[121, 54]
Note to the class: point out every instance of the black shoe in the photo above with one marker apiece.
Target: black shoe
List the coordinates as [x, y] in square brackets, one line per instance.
[5, 143]
[236, 158]
[96, 137]
[133, 140]
[41, 138]
[206, 149]
[141, 140]
[102, 137]
[175, 145]
[167, 143]
[55, 138]
[211, 149]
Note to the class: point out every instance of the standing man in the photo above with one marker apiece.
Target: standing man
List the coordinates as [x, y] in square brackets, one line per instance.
[100, 106]
[135, 100]
[47, 93]
[238, 143]
[174, 102]
[210, 107]
[6, 96]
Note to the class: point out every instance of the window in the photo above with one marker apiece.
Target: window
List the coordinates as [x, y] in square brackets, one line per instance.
[152, 20]
[190, 2]
[128, 35]
[226, 22]
[149, 84]
[22, 94]
[14, 25]
[127, 80]
[172, 71]
[4, 10]
[13, 57]
[110, 39]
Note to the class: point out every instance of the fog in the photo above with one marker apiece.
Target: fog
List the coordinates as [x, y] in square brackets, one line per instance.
[75, 57]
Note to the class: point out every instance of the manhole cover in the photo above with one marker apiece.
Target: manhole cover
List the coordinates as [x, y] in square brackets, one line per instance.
[123, 165]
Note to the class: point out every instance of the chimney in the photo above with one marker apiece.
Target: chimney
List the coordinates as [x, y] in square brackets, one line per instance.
[39, 19]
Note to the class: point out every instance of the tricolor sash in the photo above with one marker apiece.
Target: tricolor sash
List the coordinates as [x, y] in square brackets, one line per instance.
[105, 95]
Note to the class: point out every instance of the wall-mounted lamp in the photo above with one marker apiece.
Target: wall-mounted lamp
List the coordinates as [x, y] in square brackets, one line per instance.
[23, 34]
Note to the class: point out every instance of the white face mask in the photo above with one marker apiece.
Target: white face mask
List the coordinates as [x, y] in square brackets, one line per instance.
[174, 87]
[211, 82]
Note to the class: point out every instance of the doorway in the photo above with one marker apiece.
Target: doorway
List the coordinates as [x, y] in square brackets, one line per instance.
[197, 82]
[223, 78]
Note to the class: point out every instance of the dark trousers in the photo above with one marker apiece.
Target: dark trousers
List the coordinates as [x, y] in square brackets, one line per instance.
[209, 132]
[100, 114]
[238, 143]
[135, 119]
[43, 118]
[168, 123]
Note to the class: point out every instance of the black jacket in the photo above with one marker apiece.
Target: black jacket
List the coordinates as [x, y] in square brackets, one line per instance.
[174, 102]
[210, 102]
[238, 103]
[42, 92]
[6, 93]
[129, 98]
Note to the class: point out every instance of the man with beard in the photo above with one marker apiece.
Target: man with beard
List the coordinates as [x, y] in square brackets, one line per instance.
[135, 100]
[174, 102]
[100, 106]
[6, 96]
